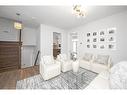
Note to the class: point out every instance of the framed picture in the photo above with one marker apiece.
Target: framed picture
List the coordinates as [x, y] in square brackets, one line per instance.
[94, 33]
[94, 46]
[102, 32]
[88, 46]
[88, 34]
[102, 39]
[111, 39]
[112, 46]
[88, 40]
[111, 30]
[102, 46]
[94, 39]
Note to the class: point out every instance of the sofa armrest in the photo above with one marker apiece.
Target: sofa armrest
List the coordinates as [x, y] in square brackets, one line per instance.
[57, 62]
[109, 63]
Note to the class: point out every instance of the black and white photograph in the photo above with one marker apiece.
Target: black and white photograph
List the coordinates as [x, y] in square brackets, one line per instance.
[88, 40]
[112, 46]
[102, 32]
[102, 39]
[111, 39]
[88, 34]
[94, 46]
[94, 33]
[94, 39]
[102, 46]
[111, 31]
[88, 46]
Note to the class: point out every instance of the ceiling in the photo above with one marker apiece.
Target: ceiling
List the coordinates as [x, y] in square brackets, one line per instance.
[58, 16]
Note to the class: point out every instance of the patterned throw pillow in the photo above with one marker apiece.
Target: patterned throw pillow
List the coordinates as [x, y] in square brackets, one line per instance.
[87, 57]
[102, 59]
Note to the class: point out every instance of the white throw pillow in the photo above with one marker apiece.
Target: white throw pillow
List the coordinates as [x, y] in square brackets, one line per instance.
[118, 76]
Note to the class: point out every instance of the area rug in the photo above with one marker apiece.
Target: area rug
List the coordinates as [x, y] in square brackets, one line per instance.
[67, 80]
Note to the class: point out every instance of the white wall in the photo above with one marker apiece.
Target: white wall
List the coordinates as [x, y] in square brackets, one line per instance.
[119, 21]
[47, 39]
[10, 34]
[29, 48]
[29, 39]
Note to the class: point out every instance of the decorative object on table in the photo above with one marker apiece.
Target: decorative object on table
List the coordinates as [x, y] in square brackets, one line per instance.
[73, 56]
[75, 66]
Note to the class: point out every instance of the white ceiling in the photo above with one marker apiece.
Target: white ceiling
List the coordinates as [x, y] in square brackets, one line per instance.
[58, 16]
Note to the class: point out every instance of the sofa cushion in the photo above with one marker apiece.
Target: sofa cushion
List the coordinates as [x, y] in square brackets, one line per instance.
[102, 59]
[98, 68]
[87, 56]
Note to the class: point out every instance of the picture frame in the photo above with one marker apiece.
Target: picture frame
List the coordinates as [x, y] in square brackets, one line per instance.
[102, 39]
[94, 33]
[102, 46]
[112, 46]
[88, 40]
[94, 46]
[88, 34]
[94, 39]
[88, 45]
[111, 39]
[102, 32]
[111, 31]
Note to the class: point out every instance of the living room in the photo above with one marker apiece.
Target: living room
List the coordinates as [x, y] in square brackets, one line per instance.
[91, 44]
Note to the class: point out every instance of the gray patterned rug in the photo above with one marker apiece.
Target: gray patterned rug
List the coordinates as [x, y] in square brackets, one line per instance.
[67, 80]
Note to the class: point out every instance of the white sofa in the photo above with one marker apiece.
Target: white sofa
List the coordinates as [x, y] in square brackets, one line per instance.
[66, 64]
[99, 64]
[49, 68]
[96, 63]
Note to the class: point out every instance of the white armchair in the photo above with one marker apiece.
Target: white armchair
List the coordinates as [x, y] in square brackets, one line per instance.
[49, 68]
[66, 65]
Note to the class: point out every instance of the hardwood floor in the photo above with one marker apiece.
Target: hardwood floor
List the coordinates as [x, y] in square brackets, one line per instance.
[8, 79]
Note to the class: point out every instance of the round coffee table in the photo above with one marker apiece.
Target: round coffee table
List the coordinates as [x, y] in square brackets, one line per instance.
[75, 66]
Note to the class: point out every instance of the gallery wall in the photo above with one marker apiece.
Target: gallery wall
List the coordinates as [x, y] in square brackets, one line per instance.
[118, 21]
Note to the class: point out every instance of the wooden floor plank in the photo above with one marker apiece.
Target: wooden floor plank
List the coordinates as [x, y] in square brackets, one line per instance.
[8, 79]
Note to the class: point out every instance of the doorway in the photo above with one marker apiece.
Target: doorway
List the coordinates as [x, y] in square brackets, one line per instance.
[56, 44]
[74, 42]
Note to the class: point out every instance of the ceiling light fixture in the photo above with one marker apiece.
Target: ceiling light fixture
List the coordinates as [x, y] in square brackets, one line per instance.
[79, 11]
[18, 24]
